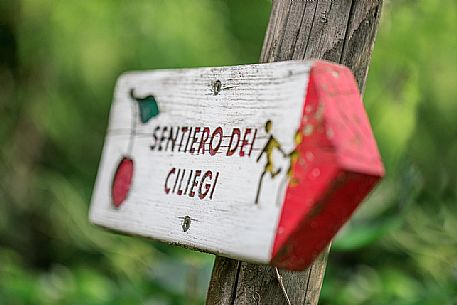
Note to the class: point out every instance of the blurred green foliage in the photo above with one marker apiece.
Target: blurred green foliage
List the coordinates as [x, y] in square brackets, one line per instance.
[58, 64]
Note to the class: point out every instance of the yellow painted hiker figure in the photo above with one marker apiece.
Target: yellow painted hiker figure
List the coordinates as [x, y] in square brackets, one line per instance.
[293, 159]
[269, 148]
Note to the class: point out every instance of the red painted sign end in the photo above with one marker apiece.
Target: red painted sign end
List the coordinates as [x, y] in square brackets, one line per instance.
[339, 164]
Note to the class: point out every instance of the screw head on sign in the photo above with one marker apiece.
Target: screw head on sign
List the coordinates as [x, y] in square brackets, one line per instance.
[186, 223]
[122, 181]
[217, 86]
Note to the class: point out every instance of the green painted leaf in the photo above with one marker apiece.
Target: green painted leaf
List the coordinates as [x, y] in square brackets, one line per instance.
[148, 107]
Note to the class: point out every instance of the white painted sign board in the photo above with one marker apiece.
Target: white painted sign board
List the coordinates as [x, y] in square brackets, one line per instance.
[230, 160]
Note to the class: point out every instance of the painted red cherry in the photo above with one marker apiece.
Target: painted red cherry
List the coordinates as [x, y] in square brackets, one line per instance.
[122, 181]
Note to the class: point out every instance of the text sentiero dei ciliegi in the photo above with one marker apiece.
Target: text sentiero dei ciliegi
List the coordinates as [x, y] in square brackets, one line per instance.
[235, 142]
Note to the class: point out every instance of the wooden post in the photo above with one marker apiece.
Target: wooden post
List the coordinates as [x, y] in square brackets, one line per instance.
[341, 31]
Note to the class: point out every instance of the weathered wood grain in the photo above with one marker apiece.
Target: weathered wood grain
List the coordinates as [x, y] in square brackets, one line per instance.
[337, 30]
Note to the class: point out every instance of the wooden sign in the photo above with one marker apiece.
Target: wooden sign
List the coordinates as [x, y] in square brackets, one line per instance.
[262, 163]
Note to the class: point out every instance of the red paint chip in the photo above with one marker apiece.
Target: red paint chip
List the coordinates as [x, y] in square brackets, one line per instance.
[122, 181]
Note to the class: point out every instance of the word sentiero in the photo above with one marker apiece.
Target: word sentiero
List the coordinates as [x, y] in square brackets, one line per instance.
[262, 163]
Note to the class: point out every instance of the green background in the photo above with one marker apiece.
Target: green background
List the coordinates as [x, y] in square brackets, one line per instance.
[58, 64]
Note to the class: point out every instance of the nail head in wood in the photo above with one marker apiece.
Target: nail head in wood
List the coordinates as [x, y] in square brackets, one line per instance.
[186, 223]
[217, 86]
